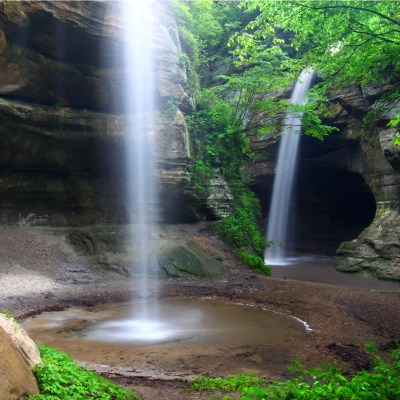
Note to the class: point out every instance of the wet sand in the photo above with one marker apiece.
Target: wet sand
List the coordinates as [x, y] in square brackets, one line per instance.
[342, 318]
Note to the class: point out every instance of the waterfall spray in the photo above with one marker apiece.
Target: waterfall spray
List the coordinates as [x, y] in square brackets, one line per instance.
[284, 177]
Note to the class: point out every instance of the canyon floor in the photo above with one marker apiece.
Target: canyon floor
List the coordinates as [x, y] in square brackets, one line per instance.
[40, 272]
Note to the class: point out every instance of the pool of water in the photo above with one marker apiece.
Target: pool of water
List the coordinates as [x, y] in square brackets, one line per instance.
[320, 269]
[190, 337]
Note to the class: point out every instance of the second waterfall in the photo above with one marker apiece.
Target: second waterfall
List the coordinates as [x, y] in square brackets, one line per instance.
[277, 229]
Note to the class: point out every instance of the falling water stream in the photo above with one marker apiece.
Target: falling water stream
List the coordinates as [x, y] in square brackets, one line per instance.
[141, 162]
[284, 178]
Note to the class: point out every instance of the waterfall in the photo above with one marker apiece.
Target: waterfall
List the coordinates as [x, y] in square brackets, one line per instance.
[284, 177]
[141, 161]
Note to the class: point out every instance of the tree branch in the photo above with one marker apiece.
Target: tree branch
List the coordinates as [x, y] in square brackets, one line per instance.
[383, 16]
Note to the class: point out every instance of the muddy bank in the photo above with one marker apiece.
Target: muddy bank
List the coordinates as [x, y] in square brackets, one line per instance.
[54, 277]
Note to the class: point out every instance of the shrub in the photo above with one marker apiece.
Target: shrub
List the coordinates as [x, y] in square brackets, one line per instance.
[256, 263]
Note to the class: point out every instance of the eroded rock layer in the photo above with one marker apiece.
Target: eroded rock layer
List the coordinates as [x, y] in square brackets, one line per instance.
[62, 78]
[348, 186]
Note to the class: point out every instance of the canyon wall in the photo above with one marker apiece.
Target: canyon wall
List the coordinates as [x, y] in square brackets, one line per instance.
[62, 124]
[62, 130]
[347, 193]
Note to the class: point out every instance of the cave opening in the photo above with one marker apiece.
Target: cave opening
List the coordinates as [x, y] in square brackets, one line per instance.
[330, 205]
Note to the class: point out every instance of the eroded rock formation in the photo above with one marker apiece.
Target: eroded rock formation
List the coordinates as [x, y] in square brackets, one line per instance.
[348, 186]
[377, 249]
[18, 354]
[61, 115]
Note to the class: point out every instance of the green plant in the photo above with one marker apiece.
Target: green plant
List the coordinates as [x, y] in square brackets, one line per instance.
[228, 384]
[382, 382]
[357, 46]
[240, 229]
[397, 140]
[395, 122]
[7, 314]
[201, 173]
[256, 263]
[59, 378]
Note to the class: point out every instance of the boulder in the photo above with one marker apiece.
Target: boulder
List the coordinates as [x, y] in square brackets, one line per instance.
[22, 342]
[190, 259]
[17, 355]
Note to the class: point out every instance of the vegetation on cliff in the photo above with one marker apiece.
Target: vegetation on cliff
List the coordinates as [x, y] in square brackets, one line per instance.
[245, 56]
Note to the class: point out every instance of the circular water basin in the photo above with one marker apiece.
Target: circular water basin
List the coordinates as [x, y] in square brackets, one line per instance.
[180, 339]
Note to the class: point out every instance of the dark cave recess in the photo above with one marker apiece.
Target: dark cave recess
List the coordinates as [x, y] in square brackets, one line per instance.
[330, 204]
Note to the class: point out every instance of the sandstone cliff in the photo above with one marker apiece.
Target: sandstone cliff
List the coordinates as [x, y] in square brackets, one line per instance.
[61, 116]
[348, 186]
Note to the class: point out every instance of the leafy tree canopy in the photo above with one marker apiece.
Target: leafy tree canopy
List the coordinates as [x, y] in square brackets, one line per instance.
[344, 41]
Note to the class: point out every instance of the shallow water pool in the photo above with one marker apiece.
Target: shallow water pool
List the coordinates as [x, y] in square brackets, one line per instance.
[188, 337]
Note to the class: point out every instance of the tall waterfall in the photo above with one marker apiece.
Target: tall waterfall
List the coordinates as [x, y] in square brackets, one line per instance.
[284, 177]
[141, 163]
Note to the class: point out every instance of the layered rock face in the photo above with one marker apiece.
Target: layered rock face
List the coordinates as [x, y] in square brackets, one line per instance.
[347, 189]
[62, 124]
[377, 249]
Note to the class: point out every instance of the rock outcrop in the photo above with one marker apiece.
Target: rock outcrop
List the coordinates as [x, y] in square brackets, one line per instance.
[377, 249]
[18, 354]
[348, 186]
[111, 247]
[62, 78]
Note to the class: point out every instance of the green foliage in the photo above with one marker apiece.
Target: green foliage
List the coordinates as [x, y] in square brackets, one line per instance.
[358, 43]
[216, 140]
[200, 173]
[228, 384]
[256, 263]
[346, 42]
[7, 314]
[328, 382]
[240, 230]
[394, 122]
[60, 379]
[198, 29]
[397, 139]
[218, 143]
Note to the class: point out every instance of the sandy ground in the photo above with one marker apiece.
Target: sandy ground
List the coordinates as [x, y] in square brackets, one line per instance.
[39, 271]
